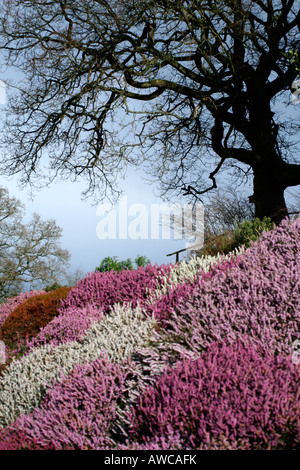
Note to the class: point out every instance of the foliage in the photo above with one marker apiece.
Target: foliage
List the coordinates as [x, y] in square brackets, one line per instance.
[7, 307]
[249, 231]
[52, 287]
[111, 263]
[28, 318]
[293, 57]
[29, 253]
[242, 235]
[142, 260]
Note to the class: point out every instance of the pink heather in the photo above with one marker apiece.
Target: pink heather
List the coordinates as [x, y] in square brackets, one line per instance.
[234, 396]
[219, 372]
[75, 414]
[256, 295]
[233, 393]
[94, 296]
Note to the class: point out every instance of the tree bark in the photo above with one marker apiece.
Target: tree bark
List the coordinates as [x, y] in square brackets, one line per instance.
[269, 193]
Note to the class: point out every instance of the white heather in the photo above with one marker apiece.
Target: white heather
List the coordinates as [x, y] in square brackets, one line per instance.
[25, 381]
[187, 270]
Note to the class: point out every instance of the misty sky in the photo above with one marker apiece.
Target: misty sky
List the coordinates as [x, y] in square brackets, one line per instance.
[78, 219]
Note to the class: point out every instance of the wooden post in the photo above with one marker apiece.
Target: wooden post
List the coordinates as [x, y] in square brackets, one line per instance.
[192, 247]
[177, 254]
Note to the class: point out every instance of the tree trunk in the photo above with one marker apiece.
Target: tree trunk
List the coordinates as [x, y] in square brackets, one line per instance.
[269, 193]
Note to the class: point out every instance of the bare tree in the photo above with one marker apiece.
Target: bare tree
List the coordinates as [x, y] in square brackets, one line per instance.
[30, 255]
[72, 277]
[223, 212]
[225, 209]
[189, 88]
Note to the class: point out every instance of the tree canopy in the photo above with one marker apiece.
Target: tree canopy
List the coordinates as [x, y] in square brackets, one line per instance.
[30, 253]
[188, 89]
[112, 263]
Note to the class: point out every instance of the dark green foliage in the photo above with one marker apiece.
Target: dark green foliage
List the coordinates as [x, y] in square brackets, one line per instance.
[52, 287]
[110, 263]
[249, 231]
[141, 260]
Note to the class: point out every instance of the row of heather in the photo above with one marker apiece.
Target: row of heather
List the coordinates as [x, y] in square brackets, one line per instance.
[189, 356]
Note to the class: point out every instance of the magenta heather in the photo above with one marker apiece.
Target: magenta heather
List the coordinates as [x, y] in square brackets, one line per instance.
[18, 440]
[67, 327]
[258, 296]
[94, 296]
[103, 289]
[233, 394]
[166, 304]
[75, 414]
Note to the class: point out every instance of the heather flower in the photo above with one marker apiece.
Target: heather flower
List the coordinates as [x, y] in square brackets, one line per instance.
[95, 295]
[165, 304]
[235, 394]
[14, 439]
[76, 413]
[188, 272]
[25, 381]
[70, 326]
[257, 295]
[104, 289]
[239, 315]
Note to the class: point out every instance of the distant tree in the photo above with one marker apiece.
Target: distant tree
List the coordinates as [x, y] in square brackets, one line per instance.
[224, 209]
[142, 261]
[200, 84]
[110, 263]
[51, 287]
[72, 277]
[30, 255]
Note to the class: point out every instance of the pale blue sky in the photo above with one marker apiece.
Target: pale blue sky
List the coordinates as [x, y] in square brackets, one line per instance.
[78, 219]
